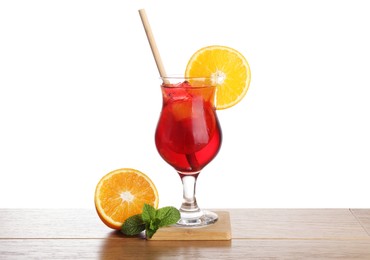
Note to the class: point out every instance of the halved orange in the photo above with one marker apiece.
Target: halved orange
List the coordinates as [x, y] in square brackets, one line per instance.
[228, 70]
[121, 194]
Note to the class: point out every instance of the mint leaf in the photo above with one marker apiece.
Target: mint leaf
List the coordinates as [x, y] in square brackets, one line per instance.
[151, 227]
[134, 225]
[148, 213]
[150, 220]
[168, 216]
[154, 224]
[150, 232]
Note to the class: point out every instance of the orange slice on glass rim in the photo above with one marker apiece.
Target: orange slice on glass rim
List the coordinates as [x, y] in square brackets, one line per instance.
[121, 194]
[228, 70]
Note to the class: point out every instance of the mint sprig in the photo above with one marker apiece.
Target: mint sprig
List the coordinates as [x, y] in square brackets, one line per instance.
[150, 220]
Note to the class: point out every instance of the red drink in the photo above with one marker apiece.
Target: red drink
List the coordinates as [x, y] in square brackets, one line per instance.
[188, 134]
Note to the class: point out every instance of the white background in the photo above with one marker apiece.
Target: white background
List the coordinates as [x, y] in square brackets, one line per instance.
[79, 97]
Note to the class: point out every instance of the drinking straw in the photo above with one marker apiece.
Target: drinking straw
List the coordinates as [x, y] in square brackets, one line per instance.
[153, 45]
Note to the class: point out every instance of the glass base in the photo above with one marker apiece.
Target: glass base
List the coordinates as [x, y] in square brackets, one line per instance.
[204, 218]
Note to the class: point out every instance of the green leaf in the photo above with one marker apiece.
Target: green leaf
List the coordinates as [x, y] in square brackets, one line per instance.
[154, 224]
[168, 216]
[150, 220]
[148, 213]
[150, 232]
[133, 225]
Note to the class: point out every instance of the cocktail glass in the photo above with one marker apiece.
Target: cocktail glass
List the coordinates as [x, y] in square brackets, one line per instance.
[188, 137]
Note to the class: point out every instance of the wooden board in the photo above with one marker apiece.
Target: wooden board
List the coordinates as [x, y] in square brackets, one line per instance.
[221, 230]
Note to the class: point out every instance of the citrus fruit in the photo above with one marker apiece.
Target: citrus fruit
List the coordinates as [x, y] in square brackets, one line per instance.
[121, 194]
[228, 70]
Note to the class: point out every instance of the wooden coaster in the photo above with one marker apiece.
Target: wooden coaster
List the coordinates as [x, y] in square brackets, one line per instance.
[221, 230]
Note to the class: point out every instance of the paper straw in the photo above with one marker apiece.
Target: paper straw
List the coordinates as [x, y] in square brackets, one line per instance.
[153, 45]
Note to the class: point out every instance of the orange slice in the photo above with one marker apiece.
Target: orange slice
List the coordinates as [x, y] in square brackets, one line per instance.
[121, 194]
[228, 70]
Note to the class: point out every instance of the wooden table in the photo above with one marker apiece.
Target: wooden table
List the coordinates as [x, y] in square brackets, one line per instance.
[256, 233]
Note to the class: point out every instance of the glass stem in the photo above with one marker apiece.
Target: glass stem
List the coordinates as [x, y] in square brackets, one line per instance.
[189, 205]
